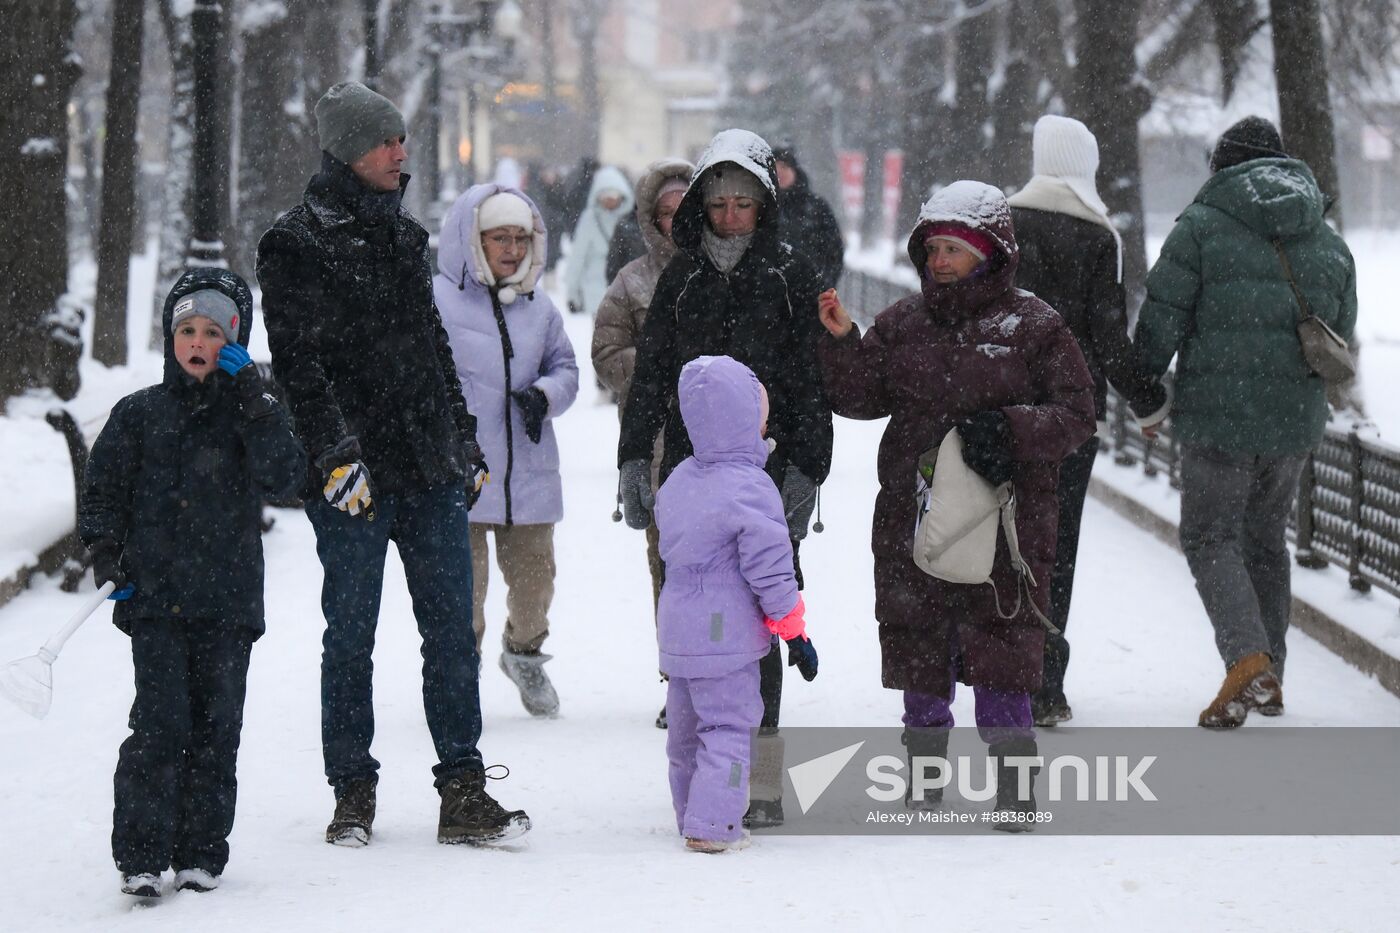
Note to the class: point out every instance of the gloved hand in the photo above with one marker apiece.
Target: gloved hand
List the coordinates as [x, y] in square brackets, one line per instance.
[253, 397]
[986, 438]
[478, 473]
[637, 497]
[107, 566]
[533, 406]
[799, 498]
[234, 357]
[802, 654]
[347, 483]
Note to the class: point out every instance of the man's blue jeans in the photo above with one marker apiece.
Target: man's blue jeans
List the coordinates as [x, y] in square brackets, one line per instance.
[431, 531]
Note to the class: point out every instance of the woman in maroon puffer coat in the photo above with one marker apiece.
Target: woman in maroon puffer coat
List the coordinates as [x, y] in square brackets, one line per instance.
[973, 352]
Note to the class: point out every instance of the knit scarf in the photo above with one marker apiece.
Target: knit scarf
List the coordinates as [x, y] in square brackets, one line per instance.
[724, 252]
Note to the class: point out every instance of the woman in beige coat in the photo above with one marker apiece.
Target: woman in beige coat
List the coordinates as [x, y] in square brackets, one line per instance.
[618, 324]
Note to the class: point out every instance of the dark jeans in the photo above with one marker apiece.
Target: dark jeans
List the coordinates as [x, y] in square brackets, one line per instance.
[1234, 509]
[1074, 486]
[431, 531]
[176, 781]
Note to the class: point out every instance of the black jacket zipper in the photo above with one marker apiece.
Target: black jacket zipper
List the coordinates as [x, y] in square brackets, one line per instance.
[507, 353]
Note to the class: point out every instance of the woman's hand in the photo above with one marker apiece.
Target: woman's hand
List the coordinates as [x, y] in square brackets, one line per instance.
[833, 316]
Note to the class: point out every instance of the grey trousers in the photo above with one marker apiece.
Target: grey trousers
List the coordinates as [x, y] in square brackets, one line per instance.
[525, 554]
[1234, 509]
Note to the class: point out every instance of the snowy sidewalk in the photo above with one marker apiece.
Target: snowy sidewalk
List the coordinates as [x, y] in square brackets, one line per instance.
[604, 854]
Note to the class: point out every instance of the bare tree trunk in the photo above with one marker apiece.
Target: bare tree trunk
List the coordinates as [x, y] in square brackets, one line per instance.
[975, 38]
[925, 119]
[210, 182]
[38, 69]
[1236, 22]
[277, 141]
[1305, 110]
[370, 16]
[115, 229]
[1110, 97]
[1017, 106]
[176, 198]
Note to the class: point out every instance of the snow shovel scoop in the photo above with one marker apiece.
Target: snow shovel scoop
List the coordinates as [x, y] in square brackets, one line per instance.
[28, 682]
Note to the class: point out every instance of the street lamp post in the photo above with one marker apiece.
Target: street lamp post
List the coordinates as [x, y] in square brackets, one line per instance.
[449, 33]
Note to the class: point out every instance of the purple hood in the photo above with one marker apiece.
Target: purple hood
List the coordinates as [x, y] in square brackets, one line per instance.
[721, 406]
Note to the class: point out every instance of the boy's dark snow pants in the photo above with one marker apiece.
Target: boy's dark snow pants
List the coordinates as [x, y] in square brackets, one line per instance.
[176, 779]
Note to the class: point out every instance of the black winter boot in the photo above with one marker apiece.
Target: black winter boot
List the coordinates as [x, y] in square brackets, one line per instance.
[353, 823]
[1020, 814]
[925, 743]
[471, 815]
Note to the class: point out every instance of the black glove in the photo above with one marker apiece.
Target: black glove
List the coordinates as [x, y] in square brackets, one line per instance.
[253, 397]
[986, 438]
[803, 654]
[107, 563]
[637, 497]
[477, 472]
[533, 406]
[799, 497]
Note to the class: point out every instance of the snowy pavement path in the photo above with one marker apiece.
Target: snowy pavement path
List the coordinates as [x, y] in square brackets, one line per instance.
[604, 854]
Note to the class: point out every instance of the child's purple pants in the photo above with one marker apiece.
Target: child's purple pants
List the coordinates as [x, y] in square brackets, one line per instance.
[710, 721]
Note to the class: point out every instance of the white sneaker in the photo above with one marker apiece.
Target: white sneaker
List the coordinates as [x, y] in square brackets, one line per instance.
[195, 879]
[142, 885]
[718, 846]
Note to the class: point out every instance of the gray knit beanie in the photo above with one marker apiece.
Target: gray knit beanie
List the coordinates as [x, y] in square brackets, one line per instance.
[210, 303]
[351, 120]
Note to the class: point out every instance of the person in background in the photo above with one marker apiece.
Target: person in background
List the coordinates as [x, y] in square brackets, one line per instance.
[1223, 298]
[623, 310]
[734, 288]
[809, 225]
[518, 374]
[627, 243]
[1072, 259]
[584, 277]
[550, 194]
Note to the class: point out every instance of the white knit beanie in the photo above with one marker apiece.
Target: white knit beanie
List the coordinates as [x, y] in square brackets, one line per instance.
[504, 209]
[1064, 148]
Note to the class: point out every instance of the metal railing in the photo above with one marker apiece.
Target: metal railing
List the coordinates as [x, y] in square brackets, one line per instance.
[1348, 509]
[1347, 512]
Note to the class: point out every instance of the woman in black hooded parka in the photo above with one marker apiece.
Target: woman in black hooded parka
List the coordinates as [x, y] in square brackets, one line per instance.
[734, 288]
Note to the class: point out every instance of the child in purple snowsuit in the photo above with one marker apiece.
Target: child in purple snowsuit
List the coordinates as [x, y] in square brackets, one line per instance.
[729, 589]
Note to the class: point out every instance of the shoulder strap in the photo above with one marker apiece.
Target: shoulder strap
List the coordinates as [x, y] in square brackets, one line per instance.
[1303, 312]
[1025, 580]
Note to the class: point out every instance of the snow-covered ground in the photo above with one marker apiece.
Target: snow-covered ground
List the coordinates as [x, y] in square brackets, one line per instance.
[604, 854]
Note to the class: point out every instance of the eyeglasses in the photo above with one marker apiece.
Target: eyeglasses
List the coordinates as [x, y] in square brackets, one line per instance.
[504, 241]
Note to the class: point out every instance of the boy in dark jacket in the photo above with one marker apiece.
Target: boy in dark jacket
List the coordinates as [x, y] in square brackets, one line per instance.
[171, 510]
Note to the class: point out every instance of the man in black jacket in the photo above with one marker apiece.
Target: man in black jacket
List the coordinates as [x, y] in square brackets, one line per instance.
[359, 347]
[808, 222]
